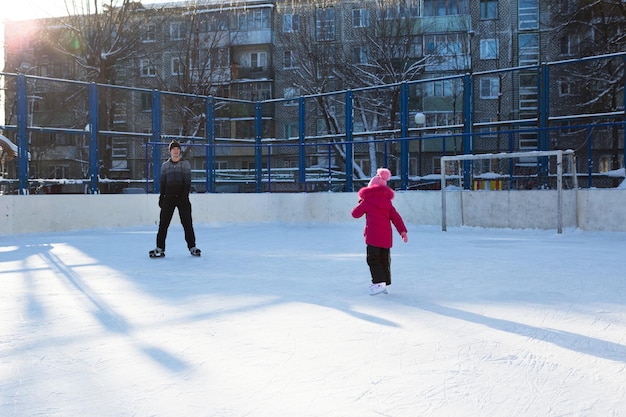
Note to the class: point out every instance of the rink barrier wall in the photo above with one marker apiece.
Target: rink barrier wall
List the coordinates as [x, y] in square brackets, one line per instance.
[585, 209]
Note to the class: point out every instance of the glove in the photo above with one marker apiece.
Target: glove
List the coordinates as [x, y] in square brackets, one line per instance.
[161, 201]
[405, 238]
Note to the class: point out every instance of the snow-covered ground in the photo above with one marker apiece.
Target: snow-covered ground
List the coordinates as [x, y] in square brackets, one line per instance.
[275, 320]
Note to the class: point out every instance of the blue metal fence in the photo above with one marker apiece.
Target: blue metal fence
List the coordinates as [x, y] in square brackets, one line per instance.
[544, 124]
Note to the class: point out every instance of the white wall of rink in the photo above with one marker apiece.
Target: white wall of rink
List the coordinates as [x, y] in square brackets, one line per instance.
[586, 209]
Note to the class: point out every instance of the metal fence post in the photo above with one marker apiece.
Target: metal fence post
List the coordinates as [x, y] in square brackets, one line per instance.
[209, 149]
[258, 149]
[544, 109]
[404, 129]
[302, 149]
[22, 138]
[349, 168]
[94, 157]
[469, 121]
[156, 138]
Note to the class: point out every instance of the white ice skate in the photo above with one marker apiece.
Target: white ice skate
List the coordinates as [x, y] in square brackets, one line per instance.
[378, 288]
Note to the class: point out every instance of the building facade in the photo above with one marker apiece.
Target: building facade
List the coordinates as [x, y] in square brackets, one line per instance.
[276, 52]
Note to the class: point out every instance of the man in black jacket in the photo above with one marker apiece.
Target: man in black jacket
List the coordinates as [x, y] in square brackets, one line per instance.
[175, 185]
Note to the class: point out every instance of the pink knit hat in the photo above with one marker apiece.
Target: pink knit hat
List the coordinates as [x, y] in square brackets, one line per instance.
[381, 177]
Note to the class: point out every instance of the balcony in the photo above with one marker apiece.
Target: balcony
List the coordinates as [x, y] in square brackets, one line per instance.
[239, 72]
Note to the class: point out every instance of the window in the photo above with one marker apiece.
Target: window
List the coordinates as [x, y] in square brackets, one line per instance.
[360, 55]
[325, 24]
[445, 7]
[242, 19]
[360, 18]
[257, 60]
[261, 91]
[176, 31]
[528, 49]
[402, 9]
[528, 92]
[565, 87]
[450, 50]
[146, 68]
[219, 165]
[217, 22]
[291, 92]
[490, 128]
[149, 33]
[604, 164]
[200, 61]
[146, 101]
[119, 148]
[254, 60]
[289, 59]
[176, 66]
[528, 12]
[291, 23]
[528, 141]
[291, 130]
[445, 44]
[488, 49]
[567, 46]
[440, 88]
[119, 113]
[253, 91]
[489, 87]
[327, 54]
[488, 9]
[415, 49]
[255, 19]
[442, 118]
[222, 130]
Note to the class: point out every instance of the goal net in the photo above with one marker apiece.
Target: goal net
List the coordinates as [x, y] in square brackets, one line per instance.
[534, 170]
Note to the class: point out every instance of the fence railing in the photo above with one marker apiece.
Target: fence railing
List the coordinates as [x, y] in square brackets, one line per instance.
[90, 119]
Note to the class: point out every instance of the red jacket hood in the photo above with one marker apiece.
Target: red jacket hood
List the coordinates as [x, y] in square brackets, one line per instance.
[379, 195]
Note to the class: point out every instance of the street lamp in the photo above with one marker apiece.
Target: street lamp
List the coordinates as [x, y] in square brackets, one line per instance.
[420, 121]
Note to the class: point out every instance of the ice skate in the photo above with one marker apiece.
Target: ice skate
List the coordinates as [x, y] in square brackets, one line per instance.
[157, 253]
[378, 288]
[195, 251]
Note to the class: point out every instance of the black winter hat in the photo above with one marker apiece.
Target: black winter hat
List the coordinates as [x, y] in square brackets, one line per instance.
[174, 144]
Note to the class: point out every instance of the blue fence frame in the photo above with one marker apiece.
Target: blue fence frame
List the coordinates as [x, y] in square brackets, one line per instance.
[158, 139]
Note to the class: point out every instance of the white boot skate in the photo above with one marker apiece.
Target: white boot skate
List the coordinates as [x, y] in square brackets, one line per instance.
[378, 288]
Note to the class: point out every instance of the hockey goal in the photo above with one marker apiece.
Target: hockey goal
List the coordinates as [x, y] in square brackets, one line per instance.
[509, 171]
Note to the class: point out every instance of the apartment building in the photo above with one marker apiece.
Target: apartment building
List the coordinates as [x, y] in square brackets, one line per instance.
[244, 52]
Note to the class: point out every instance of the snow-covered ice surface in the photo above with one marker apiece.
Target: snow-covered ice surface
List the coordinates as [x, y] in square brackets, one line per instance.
[275, 320]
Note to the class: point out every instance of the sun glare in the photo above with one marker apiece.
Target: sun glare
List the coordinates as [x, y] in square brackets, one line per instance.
[32, 9]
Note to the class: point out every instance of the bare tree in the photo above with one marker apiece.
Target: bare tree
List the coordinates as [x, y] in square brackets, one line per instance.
[100, 38]
[386, 48]
[381, 46]
[585, 29]
[200, 62]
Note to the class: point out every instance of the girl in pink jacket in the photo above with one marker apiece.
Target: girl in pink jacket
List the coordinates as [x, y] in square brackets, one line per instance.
[375, 203]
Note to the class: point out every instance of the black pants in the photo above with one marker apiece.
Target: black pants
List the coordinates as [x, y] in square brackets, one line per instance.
[379, 261]
[168, 205]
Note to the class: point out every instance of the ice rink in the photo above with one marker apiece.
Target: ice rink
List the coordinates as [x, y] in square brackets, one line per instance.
[275, 320]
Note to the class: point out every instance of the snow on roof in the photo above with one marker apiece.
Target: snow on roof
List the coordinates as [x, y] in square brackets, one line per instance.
[212, 5]
[8, 146]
